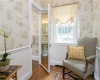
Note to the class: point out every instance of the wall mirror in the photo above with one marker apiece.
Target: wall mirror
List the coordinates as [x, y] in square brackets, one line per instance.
[45, 39]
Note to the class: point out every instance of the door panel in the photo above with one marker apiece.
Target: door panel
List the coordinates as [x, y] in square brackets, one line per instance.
[45, 38]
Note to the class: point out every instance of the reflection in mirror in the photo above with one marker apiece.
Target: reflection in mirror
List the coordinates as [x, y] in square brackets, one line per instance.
[44, 38]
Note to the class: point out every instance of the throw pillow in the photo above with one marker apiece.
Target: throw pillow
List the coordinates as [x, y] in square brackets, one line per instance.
[76, 53]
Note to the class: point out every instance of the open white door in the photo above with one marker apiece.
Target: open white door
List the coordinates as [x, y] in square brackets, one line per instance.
[49, 37]
[45, 38]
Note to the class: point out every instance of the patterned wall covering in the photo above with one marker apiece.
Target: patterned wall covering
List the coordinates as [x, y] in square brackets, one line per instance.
[35, 37]
[85, 18]
[84, 13]
[96, 19]
[14, 16]
[42, 3]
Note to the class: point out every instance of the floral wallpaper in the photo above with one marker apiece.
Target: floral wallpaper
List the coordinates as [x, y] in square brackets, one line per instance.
[35, 35]
[14, 17]
[96, 19]
[42, 3]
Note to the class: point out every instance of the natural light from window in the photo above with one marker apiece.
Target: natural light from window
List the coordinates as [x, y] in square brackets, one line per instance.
[64, 18]
[64, 33]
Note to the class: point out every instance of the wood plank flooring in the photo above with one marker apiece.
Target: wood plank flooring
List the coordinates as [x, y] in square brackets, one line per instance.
[40, 74]
[44, 61]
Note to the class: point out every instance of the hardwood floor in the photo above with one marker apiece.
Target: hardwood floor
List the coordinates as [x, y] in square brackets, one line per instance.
[40, 74]
[44, 61]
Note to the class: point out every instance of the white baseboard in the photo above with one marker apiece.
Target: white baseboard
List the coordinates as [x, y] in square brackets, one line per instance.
[36, 58]
[96, 77]
[53, 62]
[26, 76]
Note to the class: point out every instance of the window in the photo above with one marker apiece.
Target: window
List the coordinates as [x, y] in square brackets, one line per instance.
[64, 33]
[64, 23]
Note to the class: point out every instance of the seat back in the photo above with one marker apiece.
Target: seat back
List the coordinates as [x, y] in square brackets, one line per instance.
[90, 45]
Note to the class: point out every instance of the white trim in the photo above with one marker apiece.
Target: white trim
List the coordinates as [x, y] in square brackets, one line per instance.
[98, 48]
[96, 77]
[17, 49]
[49, 18]
[45, 68]
[30, 33]
[53, 62]
[38, 9]
[26, 76]
[35, 58]
[36, 6]
[62, 44]
[39, 29]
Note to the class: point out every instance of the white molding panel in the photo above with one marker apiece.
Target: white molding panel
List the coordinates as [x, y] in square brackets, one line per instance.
[54, 62]
[17, 49]
[96, 77]
[24, 59]
[97, 65]
[26, 76]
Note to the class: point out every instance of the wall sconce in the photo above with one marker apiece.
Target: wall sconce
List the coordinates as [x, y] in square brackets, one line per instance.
[45, 21]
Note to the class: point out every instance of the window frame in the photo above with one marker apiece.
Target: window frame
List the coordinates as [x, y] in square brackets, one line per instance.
[74, 34]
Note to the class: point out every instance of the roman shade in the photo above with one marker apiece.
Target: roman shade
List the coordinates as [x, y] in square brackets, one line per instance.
[64, 14]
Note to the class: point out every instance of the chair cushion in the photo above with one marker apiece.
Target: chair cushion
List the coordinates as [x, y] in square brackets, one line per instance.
[78, 67]
[76, 53]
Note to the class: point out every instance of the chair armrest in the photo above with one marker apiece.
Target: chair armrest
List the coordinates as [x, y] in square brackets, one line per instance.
[88, 59]
[91, 58]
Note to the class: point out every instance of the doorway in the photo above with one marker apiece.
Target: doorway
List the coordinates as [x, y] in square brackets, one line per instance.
[35, 24]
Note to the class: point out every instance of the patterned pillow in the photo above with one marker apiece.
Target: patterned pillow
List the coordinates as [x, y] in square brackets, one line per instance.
[76, 53]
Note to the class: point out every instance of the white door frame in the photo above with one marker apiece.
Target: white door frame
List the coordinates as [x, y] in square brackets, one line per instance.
[49, 37]
[38, 9]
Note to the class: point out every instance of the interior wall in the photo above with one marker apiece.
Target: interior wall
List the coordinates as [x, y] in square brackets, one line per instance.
[42, 3]
[35, 34]
[14, 16]
[96, 19]
[96, 29]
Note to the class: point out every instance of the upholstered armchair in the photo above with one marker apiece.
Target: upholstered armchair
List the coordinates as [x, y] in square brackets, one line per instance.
[82, 68]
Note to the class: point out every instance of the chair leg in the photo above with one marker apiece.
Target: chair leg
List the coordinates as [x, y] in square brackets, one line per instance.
[72, 77]
[63, 71]
[68, 72]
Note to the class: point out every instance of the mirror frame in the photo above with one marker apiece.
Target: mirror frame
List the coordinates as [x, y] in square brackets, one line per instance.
[48, 70]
